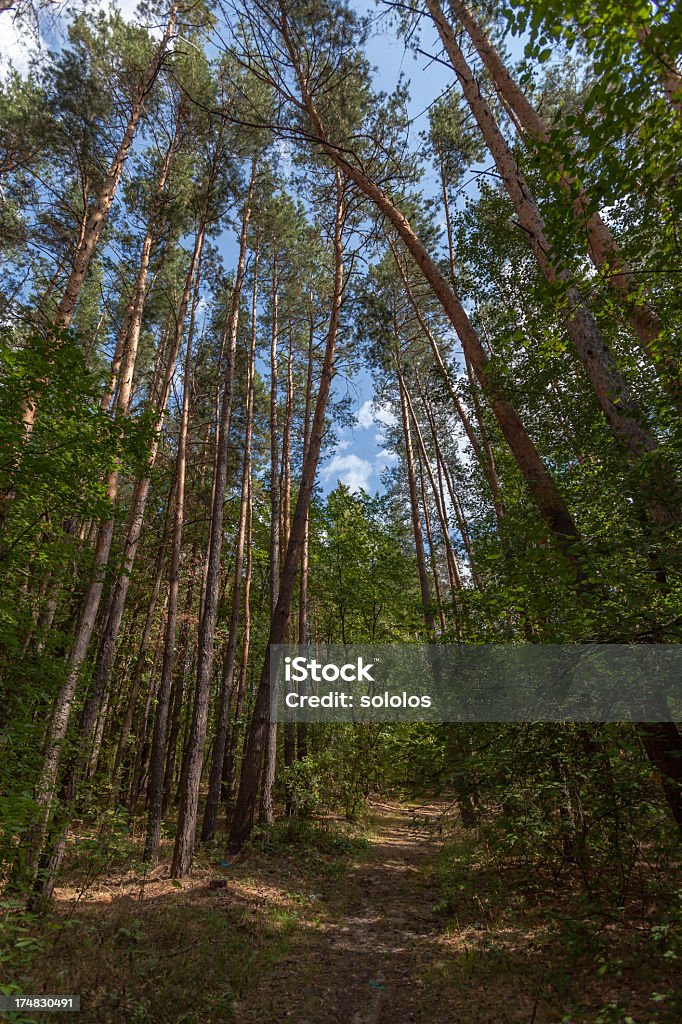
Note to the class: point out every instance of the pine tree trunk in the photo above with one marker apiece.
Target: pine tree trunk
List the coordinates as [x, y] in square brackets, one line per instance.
[229, 774]
[136, 681]
[208, 828]
[243, 818]
[414, 507]
[443, 472]
[432, 550]
[603, 248]
[189, 795]
[267, 811]
[289, 727]
[453, 568]
[97, 218]
[483, 452]
[158, 748]
[302, 730]
[618, 404]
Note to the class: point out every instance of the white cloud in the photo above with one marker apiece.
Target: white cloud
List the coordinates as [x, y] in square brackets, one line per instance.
[384, 415]
[15, 45]
[350, 470]
[364, 415]
[343, 445]
[18, 41]
[368, 414]
[387, 458]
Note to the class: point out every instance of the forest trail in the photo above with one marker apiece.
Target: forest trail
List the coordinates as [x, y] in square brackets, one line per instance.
[323, 922]
[362, 961]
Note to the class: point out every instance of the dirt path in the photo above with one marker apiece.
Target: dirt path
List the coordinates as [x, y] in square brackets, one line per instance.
[359, 959]
[319, 923]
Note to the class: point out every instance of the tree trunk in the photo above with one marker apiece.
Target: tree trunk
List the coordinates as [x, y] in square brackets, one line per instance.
[302, 730]
[230, 762]
[618, 405]
[158, 748]
[414, 508]
[432, 551]
[100, 212]
[136, 681]
[189, 796]
[218, 754]
[453, 568]
[243, 818]
[267, 812]
[603, 248]
[483, 451]
[442, 471]
[289, 727]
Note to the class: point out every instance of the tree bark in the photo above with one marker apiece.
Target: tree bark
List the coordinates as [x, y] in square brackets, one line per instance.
[230, 762]
[432, 551]
[158, 748]
[537, 478]
[208, 827]
[267, 811]
[87, 243]
[617, 403]
[189, 796]
[243, 818]
[414, 507]
[441, 511]
[663, 744]
[603, 248]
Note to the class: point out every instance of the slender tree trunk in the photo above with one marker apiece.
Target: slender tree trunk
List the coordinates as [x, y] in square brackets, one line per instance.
[302, 730]
[451, 560]
[218, 754]
[603, 248]
[189, 796]
[289, 727]
[618, 404]
[243, 818]
[414, 507]
[183, 670]
[100, 212]
[136, 681]
[142, 726]
[442, 471]
[453, 568]
[158, 748]
[230, 762]
[267, 811]
[483, 451]
[432, 551]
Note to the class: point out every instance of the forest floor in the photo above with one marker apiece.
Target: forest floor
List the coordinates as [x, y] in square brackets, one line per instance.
[321, 922]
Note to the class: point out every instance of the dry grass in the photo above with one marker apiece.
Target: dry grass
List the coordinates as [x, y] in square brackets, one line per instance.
[321, 923]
